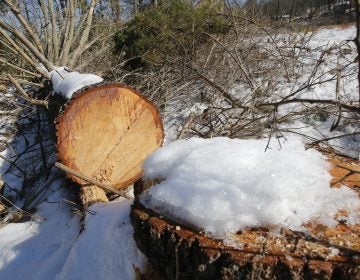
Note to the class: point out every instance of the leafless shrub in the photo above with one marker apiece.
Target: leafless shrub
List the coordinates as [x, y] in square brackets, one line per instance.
[255, 71]
[238, 83]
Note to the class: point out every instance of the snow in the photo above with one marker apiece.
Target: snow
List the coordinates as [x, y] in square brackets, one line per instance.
[66, 83]
[224, 185]
[331, 36]
[107, 244]
[51, 247]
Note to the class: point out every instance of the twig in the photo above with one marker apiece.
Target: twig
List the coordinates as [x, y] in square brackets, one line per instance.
[12, 204]
[79, 206]
[227, 96]
[12, 164]
[337, 90]
[25, 95]
[186, 127]
[6, 63]
[91, 180]
[334, 137]
[236, 59]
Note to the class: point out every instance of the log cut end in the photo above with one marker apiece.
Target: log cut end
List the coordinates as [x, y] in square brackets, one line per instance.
[106, 132]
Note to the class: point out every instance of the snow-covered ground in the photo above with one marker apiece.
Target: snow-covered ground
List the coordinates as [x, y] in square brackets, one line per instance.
[50, 246]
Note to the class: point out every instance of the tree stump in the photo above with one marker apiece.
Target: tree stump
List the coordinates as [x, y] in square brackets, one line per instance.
[105, 133]
[180, 252]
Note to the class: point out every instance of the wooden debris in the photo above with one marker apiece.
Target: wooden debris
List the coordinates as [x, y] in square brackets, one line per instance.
[92, 194]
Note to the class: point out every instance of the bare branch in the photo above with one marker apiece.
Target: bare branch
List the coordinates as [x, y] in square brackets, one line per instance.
[85, 34]
[355, 109]
[21, 52]
[6, 63]
[69, 34]
[28, 44]
[54, 35]
[25, 24]
[357, 38]
[45, 14]
[25, 95]
[92, 180]
[314, 143]
[25, 82]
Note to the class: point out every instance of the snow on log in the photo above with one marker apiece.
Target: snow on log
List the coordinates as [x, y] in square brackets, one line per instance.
[105, 133]
[66, 82]
[284, 229]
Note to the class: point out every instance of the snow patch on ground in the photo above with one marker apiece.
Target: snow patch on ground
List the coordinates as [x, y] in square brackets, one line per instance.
[331, 36]
[38, 249]
[66, 82]
[51, 247]
[225, 185]
[106, 249]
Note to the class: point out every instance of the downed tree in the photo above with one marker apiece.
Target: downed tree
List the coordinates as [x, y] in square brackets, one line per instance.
[180, 251]
[105, 133]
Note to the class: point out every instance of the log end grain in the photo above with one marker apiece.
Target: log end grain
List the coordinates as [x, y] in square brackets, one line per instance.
[106, 132]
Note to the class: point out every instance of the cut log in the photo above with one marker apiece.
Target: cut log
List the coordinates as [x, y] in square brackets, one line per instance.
[105, 133]
[181, 252]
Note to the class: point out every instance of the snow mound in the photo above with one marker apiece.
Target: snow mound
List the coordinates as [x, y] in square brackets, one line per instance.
[66, 83]
[51, 248]
[225, 185]
[107, 245]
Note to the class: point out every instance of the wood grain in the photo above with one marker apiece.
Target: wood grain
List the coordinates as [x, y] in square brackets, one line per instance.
[106, 132]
